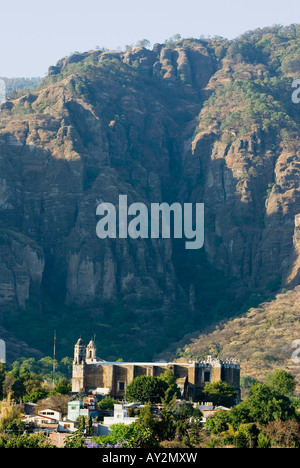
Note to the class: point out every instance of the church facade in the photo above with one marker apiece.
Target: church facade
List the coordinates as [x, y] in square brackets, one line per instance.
[91, 375]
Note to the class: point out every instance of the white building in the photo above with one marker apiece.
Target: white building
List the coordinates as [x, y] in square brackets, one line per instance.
[55, 415]
[120, 417]
[50, 421]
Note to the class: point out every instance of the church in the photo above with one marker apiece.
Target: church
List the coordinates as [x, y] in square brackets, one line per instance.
[91, 375]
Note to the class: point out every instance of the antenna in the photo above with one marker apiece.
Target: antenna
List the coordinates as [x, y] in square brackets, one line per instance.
[54, 345]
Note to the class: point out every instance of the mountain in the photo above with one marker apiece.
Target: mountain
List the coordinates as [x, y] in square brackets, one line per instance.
[192, 121]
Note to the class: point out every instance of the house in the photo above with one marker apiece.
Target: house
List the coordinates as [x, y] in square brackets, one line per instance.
[210, 412]
[49, 413]
[207, 409]
[120, 416]
[48, 421]
[85, 407]
[29, 409]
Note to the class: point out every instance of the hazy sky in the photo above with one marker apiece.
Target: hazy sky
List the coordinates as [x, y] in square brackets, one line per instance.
[36, 34]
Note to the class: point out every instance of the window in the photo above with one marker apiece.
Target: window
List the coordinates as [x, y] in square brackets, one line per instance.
[206, 376]
[121, 386]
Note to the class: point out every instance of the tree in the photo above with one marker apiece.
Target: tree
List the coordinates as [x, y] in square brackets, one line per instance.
[171, 40]
[167, 424]
[245, 437]
[240, 414]
[13, 426]
[76, 440]
[33, 383]
[220, 393]
[131, 436]
[143, 43]
[90, 429]
[28, 441]
[148, 424]
[34, 397]
[47, 364]
[106, 404]
[219, 423]
[128, 47]
[14, 385]
[263, 441]
[62, 386]
[180, 422]
[282, 382]
[283, 434]
[246, 382]
[177, 37]
[263, 406]
[9, 413]
[146, 418]
[56, 402]
[81, 423]
[144, 389]
[65, 366]
[193, 435]
[170, 379]
[181, 418]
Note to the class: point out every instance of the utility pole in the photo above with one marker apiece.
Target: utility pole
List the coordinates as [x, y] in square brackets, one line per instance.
[54, 345]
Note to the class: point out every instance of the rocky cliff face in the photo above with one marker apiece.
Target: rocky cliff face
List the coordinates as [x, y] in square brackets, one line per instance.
[193, 121]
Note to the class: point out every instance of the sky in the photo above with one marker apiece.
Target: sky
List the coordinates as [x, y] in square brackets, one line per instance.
[36, 34]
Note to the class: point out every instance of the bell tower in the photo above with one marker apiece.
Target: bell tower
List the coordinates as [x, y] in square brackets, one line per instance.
[79, 352]
[91, 352]
[78, 373]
